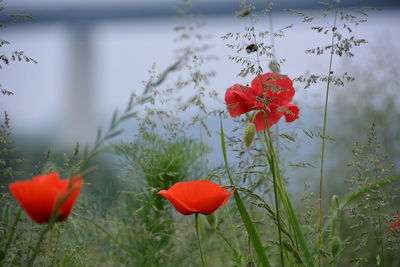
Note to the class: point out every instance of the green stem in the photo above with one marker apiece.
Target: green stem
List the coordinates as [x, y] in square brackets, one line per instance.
[321, 179]
[43, 233]
[292, 219]
[228, 213]
[203, 260]
[272, 166]
[225, 239]
[251, 230]
[114, 239]
[55, 247]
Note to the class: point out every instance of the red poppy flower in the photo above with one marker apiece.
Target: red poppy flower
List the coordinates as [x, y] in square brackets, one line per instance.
[201, 196]
[269, 92]
[396, 224]
[39, 196]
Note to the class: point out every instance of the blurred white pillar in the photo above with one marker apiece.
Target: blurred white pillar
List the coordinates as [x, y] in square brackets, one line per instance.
[78, 120]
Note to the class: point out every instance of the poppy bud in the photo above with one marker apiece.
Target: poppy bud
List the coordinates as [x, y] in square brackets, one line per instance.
[212, 220]
[334, 245]
[249, 133]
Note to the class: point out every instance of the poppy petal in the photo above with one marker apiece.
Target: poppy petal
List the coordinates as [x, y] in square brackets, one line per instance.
[74, 190]
[50, 179]
[39, 196]
[239, 99]
[205, 196]
[291, 113]
[178, 205]
[273, 116]
[227, 198]
[275, 86]
[37, 199]
[201, 196]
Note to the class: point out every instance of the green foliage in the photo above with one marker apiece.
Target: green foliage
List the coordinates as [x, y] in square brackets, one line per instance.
[8, 157]
[161, 163]
[370, 214]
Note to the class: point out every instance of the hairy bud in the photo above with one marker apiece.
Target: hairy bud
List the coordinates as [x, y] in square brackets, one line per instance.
[249, 133]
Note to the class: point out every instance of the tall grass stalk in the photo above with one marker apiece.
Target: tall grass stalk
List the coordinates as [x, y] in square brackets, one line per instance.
[321, 178]
[12, 232]
[112, 238]
[229, 215]
[379, 235]
[39, 242]
[53, 258]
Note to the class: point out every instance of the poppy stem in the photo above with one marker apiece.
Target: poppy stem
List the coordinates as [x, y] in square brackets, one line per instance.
[48, 227]
[272, 161]
[203, 260]
[55, 245]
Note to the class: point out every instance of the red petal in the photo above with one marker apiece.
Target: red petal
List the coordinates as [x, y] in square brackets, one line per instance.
[73, 191]
[206, 196]
[36, 198]
[239, 99]
[273, 116]
[275, 86]
[174, 199]
[50, 179]
[39, 196]
[196, 196]
[292, 113]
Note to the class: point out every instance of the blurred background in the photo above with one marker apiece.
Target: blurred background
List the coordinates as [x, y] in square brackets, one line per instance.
[93, 55]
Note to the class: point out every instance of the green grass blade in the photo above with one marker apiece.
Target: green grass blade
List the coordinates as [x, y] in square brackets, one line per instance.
[297, 229]
[12, 231]
[251, 230]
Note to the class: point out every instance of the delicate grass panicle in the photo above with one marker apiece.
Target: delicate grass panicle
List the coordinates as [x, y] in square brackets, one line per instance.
[133, 217]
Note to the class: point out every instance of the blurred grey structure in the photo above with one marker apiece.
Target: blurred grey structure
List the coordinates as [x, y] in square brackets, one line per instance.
[81, 20]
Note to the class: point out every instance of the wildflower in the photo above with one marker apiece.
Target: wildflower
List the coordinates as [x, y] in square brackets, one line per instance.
[40, 196]
[396, 224]
[201, 196]
[270, 94]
